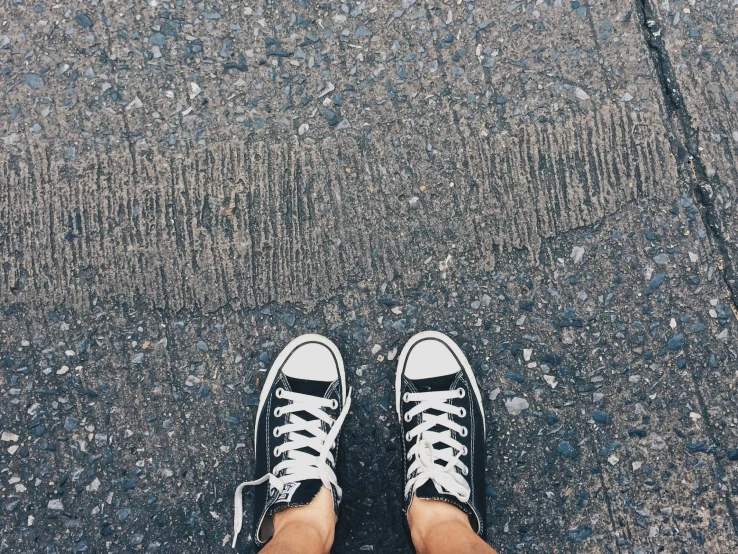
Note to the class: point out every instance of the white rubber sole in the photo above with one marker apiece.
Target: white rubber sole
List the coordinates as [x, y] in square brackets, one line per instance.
[282, 358]
[425, 335]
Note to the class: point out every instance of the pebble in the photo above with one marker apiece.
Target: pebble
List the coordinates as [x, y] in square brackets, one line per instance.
[138, 358]
[55, 504]
[7, 436]
[123, 514]
[657, 443]
[581, 94]
[676, 342]
[134, 104]
[516, 405]
[566, 449]
[733, 455]
[661, 259]
[657, 281]
[288, 319]
[83, 20]
[70, 424]
[577, 253]
[158, 39]
[202, 346]
[195, 90]
[331, 116]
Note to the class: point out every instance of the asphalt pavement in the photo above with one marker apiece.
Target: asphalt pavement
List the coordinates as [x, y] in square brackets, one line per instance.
[186, 186]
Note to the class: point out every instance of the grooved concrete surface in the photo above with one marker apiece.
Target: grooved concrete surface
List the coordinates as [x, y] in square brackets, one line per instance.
[186, 186]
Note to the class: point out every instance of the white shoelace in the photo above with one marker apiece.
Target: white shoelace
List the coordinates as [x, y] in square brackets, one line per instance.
[447, 478]
[299, 466]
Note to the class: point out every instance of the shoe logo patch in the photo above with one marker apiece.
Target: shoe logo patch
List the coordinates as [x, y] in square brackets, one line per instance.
[287, 492]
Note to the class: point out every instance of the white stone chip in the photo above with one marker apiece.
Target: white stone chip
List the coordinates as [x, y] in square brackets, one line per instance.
[579, 93]
[135, 104]
[7, 436]
[577, 253]
[516, 405]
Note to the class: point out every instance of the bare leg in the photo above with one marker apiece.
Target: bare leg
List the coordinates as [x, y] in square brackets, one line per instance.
[438, 527]
[304, 529]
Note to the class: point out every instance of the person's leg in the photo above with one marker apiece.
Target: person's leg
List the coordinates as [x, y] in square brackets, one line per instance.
[304, 529]
[437, 527]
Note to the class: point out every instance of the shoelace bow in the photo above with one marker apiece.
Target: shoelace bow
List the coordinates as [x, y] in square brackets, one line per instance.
[448, 478]
[298, 465]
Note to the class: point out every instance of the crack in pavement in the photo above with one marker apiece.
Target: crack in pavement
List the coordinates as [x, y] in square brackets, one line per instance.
[703, 185]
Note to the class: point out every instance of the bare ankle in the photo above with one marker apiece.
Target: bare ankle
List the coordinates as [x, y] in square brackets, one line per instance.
[427, 517]
[317, 520]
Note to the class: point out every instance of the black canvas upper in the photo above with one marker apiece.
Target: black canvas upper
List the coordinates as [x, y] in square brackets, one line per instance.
[474, 442]
[266, 502]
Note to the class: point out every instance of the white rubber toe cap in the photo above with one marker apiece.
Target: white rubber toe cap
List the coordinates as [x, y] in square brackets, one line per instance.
[430, 357]
[313, 361]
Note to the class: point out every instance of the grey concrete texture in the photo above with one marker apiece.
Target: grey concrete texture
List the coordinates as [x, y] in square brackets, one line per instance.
[133, 426]
[525, 141]
[185, 186]
[697, 46]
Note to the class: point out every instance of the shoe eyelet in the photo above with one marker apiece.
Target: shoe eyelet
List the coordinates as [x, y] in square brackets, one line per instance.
[406, 397]
[279, 392]
[465, 471]
[277, 412]
[409, 457]
[407, 437]
[277, 452]
[334, 404]
[461, 392]
[464, 432]
[464, 451]
[277, 432]
[407, 417]
[462, 412]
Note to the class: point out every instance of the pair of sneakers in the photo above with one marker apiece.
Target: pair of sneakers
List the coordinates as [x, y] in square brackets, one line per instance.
[305, 401]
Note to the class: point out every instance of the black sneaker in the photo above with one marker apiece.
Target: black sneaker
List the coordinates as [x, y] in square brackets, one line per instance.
[440, 410]
[301, 410]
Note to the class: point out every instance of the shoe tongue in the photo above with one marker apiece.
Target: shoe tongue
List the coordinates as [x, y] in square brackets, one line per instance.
[300, 493]
[307, 386]
[433, 384]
